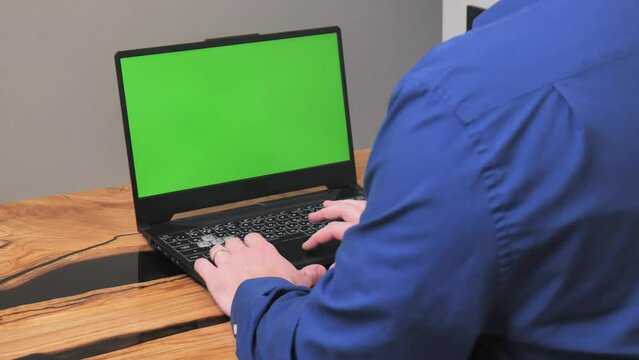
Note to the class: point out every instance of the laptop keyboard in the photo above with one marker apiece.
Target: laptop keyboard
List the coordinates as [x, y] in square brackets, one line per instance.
[275, 227]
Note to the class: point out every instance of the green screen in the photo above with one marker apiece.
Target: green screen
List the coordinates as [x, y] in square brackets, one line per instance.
[215, 115]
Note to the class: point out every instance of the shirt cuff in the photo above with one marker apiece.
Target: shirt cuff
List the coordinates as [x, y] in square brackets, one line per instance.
[252, 300]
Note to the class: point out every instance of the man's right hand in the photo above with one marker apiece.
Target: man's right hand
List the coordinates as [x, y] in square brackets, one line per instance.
[349, 211]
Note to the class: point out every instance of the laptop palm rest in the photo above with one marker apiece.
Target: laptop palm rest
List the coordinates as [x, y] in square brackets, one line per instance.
[292, 250]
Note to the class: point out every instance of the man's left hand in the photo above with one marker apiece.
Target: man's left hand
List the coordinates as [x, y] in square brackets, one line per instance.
[254, 258]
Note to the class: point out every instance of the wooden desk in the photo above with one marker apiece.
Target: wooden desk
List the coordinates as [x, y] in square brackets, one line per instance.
[76, 280]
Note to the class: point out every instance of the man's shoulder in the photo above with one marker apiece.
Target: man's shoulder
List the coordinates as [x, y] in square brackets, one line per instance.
[530, 49]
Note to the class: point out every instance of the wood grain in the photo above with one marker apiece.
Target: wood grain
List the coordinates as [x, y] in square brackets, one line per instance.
[48, 229]
[74, 321]
[40, 235]
[40, 230]
[215, 342]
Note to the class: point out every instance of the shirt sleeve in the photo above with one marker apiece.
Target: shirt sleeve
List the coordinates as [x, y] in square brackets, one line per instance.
[416, 278]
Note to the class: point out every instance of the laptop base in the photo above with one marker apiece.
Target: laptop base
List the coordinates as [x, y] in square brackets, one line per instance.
[185, 240]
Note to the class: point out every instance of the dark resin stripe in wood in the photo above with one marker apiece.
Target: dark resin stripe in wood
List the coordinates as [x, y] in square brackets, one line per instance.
[215, 342]
[88, 275]
[105, 346]
[61, 300]
[61, 324]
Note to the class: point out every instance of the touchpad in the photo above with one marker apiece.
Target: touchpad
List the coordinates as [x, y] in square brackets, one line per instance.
[323, 254]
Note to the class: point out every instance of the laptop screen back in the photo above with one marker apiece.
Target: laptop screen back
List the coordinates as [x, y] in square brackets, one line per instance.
[220, 114]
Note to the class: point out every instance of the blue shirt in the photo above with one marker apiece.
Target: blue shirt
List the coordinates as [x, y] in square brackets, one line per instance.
[503, 205]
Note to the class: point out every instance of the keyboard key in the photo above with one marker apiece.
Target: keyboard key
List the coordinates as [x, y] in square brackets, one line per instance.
[185, 247]
[192, 258]
[168, 239]
[292, 236]
[180, 243]
[275, 227]
[193, 233]
[216, 241]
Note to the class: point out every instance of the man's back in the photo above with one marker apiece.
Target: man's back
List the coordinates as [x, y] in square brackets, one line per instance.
[503, 205]
[549, 92]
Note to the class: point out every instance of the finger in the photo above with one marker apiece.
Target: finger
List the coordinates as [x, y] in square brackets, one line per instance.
[313, 273]
[255, 240]
[341, 211]
[329, 213]
[218, 252]
[359, 204]
[234, 244]
[206, 270]
[334, 230]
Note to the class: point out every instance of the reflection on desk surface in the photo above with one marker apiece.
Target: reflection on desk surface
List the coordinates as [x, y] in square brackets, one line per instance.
[84, 276]
[76, 280]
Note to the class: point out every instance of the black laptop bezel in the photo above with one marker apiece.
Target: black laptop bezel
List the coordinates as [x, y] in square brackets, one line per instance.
[160, 208]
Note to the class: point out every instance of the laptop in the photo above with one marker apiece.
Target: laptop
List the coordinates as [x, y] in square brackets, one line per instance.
[232, 119]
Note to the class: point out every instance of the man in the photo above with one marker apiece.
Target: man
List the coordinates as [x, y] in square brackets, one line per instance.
[503, 208]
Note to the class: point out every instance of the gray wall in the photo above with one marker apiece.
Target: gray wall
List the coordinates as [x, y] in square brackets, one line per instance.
[60, 124]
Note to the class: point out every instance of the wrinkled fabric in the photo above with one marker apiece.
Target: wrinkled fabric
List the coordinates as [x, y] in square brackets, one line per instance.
[503, 205]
